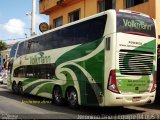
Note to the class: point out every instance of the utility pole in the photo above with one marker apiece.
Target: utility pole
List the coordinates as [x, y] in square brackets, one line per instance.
[33, 17]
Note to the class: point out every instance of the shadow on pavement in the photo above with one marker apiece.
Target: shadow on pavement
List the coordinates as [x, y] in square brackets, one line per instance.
[65, 109]
[155, 105]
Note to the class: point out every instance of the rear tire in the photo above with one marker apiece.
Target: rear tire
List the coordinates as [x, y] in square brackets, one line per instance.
[20, 89]
[57, 96]
[72, 98]
[14, 87]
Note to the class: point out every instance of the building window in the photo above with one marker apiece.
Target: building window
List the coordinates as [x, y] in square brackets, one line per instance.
[101, 5]
[58, 22]
[106, 5]
[73, 16]
[131, 3]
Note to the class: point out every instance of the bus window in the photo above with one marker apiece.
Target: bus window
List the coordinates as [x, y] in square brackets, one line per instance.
[19, 72]
[21, 49]
[44, 71]
[13, 51]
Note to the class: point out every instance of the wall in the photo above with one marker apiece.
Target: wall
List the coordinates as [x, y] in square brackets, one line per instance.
[45, 5]
[157, 14]
[147, 8]
[65, 10]
[119, 4]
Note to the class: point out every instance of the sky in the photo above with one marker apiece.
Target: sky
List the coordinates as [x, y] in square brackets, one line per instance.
[14, 23]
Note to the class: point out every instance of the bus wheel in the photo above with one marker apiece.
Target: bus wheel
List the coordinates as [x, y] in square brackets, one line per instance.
[57, 96]
[72, 98]
[20, 89]
[14, 87]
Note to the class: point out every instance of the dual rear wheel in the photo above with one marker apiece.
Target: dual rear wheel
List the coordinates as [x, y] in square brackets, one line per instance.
[57, 96]
[71, 97]
[18, 89]
[14, 87]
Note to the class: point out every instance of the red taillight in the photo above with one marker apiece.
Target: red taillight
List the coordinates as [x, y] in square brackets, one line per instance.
[154, 82]
[112, 86]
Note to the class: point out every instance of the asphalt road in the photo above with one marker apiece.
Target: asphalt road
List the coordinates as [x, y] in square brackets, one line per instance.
[14, 106]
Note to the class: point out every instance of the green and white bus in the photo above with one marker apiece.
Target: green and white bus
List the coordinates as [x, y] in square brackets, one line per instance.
[108, 59]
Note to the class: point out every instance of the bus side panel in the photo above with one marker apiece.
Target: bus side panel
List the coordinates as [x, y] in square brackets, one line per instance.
[86, 67]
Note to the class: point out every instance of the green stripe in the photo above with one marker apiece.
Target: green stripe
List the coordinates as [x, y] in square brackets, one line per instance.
[47, 88]
[29, 80]
[34, 85]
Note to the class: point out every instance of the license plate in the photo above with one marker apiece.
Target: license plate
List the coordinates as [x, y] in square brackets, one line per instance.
[135, 99]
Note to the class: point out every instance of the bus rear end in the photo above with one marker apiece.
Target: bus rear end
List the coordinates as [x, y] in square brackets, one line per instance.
[133, 81]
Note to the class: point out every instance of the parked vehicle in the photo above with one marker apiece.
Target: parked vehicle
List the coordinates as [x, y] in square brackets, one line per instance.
[1, 79]
[3, 76]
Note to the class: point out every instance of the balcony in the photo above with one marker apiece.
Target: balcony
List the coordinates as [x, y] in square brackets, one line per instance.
[46, 6]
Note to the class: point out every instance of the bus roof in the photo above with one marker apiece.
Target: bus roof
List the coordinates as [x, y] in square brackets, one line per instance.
[133, 12]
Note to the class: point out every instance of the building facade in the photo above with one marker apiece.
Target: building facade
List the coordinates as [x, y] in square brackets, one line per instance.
[61, 12]
[4, 55]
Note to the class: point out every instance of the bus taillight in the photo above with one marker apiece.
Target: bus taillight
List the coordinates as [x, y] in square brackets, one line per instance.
[154, 82]
[112, 86]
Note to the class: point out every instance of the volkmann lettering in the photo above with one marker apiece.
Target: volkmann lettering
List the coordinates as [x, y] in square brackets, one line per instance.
[136, 24]
[40, 60]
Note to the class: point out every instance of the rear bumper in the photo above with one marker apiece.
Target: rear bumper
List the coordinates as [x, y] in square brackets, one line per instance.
[127, 100]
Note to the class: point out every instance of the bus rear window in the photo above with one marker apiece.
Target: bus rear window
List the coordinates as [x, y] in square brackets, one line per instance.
[135, 24]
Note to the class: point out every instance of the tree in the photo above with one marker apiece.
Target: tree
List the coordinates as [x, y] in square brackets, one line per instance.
[3, 46]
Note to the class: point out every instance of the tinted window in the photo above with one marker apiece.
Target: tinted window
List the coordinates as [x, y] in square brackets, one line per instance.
[13, 50]
[33, 46]
[80, 33]
[21, 49]
[20, 72]
[96, 32]
[134, 23]
[43, 71]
